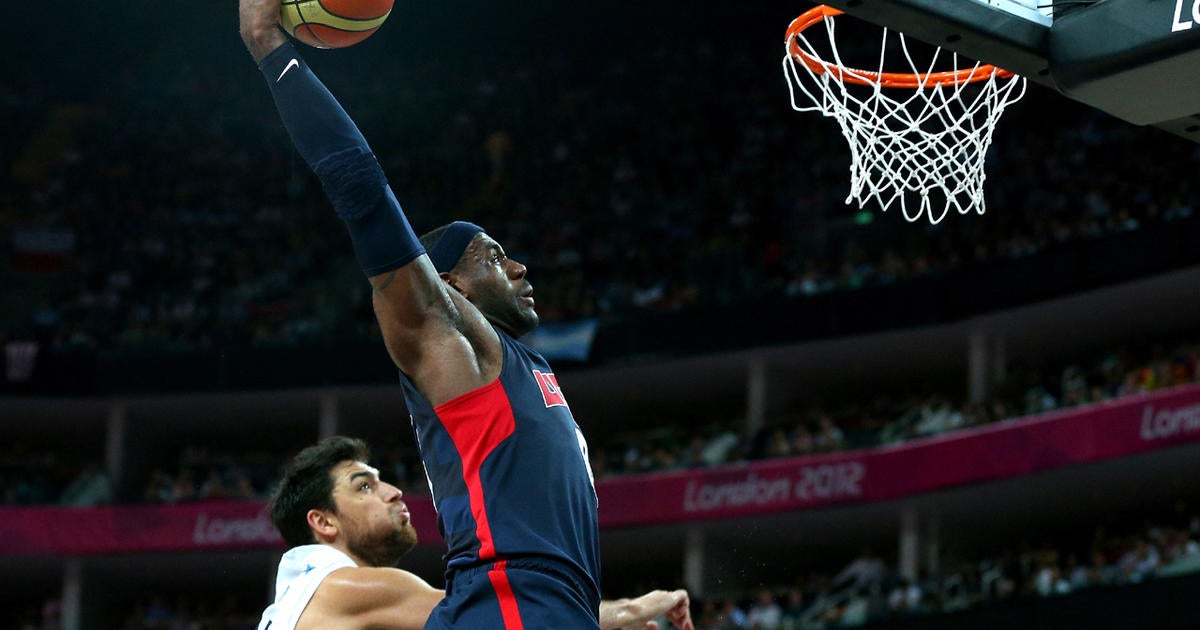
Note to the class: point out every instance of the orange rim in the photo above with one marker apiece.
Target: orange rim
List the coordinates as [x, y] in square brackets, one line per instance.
[866, 77]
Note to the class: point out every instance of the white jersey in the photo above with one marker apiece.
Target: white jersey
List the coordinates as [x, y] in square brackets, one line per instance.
[301, 571]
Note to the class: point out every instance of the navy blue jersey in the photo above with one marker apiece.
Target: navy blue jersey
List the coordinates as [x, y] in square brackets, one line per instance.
[508, 469]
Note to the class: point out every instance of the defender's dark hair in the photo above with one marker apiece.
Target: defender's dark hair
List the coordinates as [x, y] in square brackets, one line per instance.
[307, 485]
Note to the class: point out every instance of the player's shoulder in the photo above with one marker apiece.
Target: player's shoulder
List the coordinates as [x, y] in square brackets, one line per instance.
[361, 597]
[355, 588]
[356, 579]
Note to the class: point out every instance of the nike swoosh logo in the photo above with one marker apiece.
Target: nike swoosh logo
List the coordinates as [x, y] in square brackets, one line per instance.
[291, 64]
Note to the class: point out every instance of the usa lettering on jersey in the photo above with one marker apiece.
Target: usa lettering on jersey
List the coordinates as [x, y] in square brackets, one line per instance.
[551, 393]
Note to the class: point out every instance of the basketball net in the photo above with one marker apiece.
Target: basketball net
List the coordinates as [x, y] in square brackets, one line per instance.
[919, 137]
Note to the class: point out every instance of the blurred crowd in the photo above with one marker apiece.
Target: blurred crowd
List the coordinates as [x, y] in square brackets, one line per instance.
[30, 475]
[867, 589]
[806, 428]
[185, 220]
[155, 612]
[203, 475]
[33, 476]
[190, 613]
[870, 589]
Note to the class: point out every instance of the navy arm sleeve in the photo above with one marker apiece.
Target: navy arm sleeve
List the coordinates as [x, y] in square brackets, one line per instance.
[337, 152]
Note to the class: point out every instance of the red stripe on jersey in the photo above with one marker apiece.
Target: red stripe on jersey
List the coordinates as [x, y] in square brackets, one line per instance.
[478, 422]
[509, 611]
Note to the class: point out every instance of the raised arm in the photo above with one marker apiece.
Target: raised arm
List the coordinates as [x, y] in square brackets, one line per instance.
[431, 333]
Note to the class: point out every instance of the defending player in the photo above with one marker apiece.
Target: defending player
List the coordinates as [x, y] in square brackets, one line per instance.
[507, 465]
[347, 529]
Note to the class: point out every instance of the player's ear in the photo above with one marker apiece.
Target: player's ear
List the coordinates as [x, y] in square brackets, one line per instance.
[454, 281]
[323, 524]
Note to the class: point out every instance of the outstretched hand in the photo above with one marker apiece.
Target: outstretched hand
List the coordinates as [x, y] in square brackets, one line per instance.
[259, 24]
[674, 605]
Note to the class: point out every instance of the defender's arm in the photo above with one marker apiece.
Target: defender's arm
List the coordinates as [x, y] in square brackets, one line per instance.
[364, 597]
[641, 612]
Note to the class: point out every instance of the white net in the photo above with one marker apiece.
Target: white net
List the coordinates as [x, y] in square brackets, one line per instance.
[923, 145]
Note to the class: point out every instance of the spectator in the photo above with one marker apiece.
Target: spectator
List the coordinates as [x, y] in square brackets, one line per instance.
[1140, 561]
[765, 613]
[1101, 572]
[856, 610]
[905, 597]
[213, 487]
[160, 488]
[937, 416]
[793, 610]
[90, 487]
[829, 437]
[720, 447]
[731, 617]
[241, 486]
[778, 444]
[864, 572]
[1077, 575]
[184, 487]
[1048, 579]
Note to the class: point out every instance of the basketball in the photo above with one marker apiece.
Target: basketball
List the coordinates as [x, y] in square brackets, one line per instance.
[333, 23]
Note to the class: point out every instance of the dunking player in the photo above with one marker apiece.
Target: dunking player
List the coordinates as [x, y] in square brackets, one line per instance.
[507, 464]
[347, 529]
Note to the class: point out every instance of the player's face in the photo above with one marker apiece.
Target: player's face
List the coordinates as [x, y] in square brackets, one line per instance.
[375, 523]
[496, 285]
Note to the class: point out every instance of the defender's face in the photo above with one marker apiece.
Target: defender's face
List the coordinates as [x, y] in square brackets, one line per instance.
[375, 523]
[496, 285]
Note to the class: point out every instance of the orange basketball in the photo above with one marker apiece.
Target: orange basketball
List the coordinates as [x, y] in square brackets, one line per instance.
[333, 23]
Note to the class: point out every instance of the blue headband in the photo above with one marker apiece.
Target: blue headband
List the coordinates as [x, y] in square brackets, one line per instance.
[450, 247]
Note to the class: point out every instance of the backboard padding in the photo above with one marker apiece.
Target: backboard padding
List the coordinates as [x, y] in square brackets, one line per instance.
[1135, 59]
[977, 30]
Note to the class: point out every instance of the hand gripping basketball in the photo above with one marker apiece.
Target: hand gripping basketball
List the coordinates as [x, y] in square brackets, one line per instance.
[333, 23]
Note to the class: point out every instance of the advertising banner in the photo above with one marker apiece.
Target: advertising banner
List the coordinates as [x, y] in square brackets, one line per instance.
[1011, 448]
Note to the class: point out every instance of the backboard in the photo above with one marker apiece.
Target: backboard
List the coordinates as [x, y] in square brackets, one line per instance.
[1135, 59]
